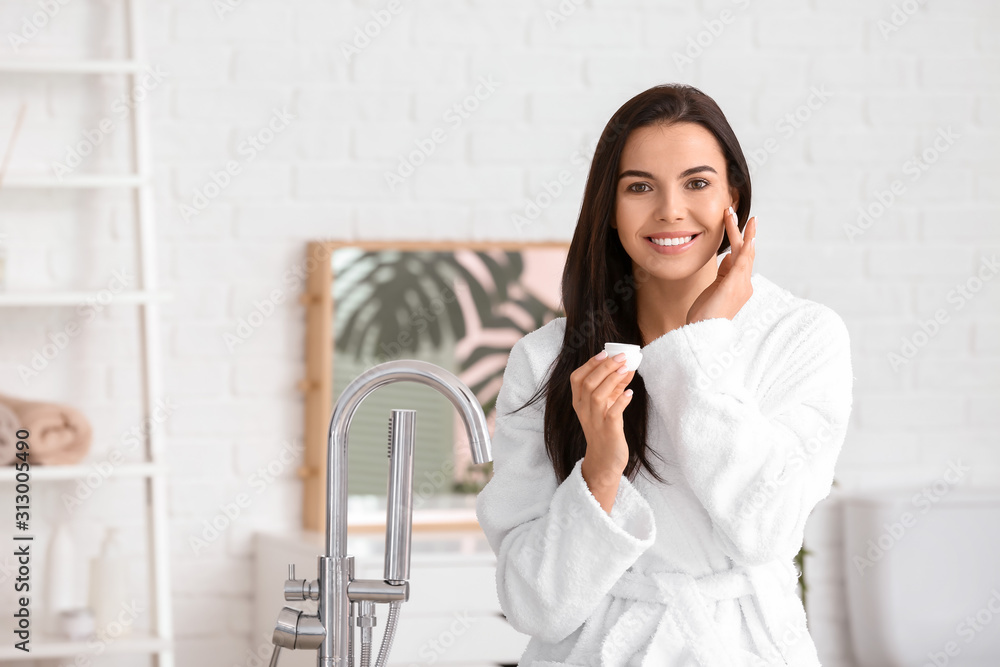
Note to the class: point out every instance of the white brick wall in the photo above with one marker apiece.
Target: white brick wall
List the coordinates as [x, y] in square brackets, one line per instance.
[562, 68]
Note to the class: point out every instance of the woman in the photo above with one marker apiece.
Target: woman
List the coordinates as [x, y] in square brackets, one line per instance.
[658, 525]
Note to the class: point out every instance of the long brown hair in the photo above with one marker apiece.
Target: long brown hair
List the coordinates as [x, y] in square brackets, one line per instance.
[598, 286]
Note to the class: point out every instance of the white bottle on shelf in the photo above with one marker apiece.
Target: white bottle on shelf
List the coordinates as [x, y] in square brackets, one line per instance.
[63, 580]
[109, 589]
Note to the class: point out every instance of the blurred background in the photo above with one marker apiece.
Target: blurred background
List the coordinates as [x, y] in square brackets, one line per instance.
[166, 163]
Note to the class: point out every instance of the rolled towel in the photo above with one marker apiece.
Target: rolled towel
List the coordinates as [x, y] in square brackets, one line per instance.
[9, 424]
[60, 434]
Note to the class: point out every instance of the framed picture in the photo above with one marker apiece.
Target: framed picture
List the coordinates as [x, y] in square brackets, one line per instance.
[460, 306]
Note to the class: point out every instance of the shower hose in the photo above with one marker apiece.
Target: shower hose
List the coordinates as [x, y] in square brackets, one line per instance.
[366, 640]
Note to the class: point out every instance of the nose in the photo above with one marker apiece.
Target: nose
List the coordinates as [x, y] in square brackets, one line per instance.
[670, 206]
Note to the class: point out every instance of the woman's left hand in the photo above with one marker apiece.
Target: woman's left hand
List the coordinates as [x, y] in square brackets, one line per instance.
[731, 289]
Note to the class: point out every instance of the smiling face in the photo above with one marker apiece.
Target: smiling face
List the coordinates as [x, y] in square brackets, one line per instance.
[672, 183]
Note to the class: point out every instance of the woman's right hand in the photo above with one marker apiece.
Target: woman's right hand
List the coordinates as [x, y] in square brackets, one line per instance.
[599, 399]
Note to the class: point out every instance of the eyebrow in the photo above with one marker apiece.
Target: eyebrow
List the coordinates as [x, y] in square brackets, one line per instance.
[683, 174]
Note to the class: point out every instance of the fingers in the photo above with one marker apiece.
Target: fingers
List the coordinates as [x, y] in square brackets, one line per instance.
[595, 363]
[588, 379]
[612, 385]
[741, 243]
[593, 379]
[577, 377]
[624, 380]
[733, 231]
[596, 360]
[618, 407]
[749, 235]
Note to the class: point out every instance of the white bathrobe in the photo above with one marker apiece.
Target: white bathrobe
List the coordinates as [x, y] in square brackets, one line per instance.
[749, 415]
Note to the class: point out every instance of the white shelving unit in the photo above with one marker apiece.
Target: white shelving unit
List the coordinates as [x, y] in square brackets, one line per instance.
[71, 66]
[159, 642]
[78, 298]
[74, 182]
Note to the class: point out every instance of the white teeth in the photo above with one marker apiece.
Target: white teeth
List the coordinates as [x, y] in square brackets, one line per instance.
[679, 241]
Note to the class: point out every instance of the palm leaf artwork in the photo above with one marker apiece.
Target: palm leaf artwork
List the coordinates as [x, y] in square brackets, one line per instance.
[401, 304]
[380, 290]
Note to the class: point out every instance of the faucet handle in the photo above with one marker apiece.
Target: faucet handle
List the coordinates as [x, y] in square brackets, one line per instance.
[296, 629]
[300, 589]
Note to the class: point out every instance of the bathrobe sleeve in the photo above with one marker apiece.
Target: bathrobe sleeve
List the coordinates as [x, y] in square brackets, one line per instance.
[758, 461]
[558, 551]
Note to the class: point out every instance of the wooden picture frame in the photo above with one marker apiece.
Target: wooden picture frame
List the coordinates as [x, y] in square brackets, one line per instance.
[317, 384]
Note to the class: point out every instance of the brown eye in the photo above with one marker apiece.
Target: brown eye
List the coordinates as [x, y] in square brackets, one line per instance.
[629, 188]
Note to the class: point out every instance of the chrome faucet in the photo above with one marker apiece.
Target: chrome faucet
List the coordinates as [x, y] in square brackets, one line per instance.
[330, 630]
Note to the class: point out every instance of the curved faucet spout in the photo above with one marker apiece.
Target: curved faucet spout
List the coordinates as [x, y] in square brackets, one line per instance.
[386, 373]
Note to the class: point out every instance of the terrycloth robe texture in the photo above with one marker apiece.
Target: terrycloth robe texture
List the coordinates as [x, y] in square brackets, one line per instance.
[60, 434]
[749, 416]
